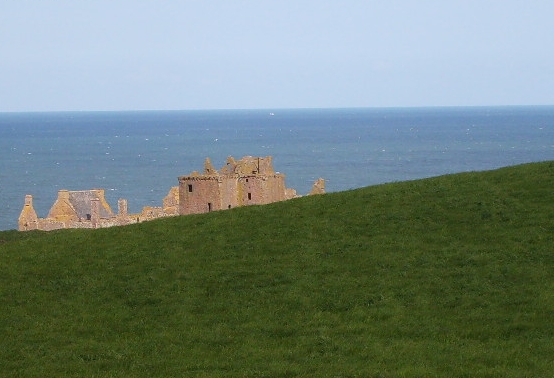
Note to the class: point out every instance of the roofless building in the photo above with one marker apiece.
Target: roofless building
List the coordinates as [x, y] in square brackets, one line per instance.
[248, 181]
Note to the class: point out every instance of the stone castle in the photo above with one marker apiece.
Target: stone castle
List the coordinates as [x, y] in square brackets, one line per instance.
[248, 181]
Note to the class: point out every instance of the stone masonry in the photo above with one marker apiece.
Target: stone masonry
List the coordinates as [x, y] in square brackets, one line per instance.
[248, 181]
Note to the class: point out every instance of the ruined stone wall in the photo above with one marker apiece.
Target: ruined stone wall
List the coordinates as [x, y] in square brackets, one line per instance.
[318, 187]
[50, 224]
[62, 210]
[248, 181]
[170, 203]
[28, 219]
[252, 165]
[250, 190]
[276, 188]
[263, 189]
[122, 207]
[95, 212]
[265, 166]
[199, 194]
[230, 188]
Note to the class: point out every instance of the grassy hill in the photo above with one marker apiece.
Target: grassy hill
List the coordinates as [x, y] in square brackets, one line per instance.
[448, 276]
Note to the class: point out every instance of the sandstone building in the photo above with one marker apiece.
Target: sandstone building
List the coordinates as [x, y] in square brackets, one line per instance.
[248, 181]
[89, 209]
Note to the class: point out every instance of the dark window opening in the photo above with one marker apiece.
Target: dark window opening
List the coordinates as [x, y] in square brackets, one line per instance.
[209, 206]
[190, 188]
[229, 206]
[89, 216]
[246, 180]
[249, 196]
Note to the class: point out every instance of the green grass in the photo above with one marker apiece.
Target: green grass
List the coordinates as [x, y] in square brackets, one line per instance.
[450, 276]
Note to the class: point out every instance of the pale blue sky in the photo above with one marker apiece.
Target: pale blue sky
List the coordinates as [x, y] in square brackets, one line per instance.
[203, 54]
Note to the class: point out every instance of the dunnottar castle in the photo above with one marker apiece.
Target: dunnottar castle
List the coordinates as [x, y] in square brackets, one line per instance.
[248, 181]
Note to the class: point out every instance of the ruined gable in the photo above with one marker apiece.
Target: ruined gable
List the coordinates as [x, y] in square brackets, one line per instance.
[209, 168]
[62, 209]
[28, 219]
[77, 205]
[171, 201]
[318, 187]
[81, 201]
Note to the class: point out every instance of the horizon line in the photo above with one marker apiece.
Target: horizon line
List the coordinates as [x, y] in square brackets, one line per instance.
[276, 108]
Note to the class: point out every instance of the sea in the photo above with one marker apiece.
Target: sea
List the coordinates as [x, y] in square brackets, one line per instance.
[138, 155]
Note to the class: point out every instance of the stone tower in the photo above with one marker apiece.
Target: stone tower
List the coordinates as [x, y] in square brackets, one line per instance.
[248, 181]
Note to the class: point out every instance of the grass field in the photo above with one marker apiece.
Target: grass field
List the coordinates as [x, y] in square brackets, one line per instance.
[450, 276]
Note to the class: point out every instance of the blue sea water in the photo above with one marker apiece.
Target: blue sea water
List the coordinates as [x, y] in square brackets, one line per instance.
[139, 155]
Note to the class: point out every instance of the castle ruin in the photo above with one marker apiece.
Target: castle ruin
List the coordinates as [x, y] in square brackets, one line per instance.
[248, 181]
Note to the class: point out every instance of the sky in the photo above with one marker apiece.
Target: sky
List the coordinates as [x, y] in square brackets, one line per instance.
[82, 55]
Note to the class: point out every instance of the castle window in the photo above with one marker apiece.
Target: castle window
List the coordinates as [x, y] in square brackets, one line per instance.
[190, 188]
[246, 180]
[209, 206]
[249, 196]
[89, 216]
